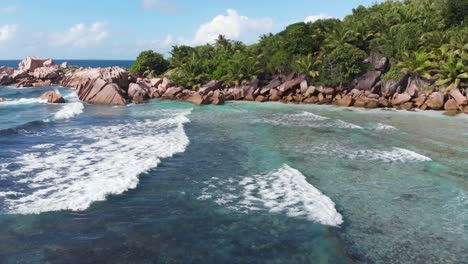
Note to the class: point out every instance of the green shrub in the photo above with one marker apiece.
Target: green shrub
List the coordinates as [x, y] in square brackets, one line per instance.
[393, 74]
[149, 64]
[342, 65]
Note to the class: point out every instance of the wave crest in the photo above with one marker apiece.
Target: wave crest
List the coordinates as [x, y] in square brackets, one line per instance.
[283, 191]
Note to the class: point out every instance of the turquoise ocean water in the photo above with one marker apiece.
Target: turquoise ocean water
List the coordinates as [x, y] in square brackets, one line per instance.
[170, 182]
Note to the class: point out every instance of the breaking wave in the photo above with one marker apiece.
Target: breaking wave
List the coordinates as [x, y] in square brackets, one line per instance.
[392, 154]
[284, 191]
[96, 162]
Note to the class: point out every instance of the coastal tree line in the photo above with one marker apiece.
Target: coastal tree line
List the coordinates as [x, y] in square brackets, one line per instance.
[423, 38]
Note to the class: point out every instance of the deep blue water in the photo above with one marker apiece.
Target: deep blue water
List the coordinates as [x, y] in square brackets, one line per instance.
[80, 63]
[169, 182]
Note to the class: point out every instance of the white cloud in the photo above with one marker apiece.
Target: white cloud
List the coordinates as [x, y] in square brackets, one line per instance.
[316, 17]
[81, 35]
[8, 32]
[233, 26]
[161, 45]
[8, 9]
[159, 5]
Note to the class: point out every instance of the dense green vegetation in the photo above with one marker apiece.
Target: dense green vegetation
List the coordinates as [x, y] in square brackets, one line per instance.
[424, 38]
[149, 63]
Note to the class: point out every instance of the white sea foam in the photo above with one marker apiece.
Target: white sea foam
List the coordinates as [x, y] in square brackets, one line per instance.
[308, 119]
[24, 101]
[42, 146]
[312, 116]
[69, 110]
[380, 127]
[3, 194]
[392, 154]
[98, 161]
[285, 191]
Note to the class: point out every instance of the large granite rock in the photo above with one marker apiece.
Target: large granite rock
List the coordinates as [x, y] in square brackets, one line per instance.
[390, 87]
[166, 83]
[115, 75]
[155, 82]
[368, 80]
[415, 85]
[275, 83]
[248, 93]
[171, 92]
[52, 97]
[435, 101]
[217, 98]
[99, 91]
[210, 86]
[20, 74]
[31, 63]
[310, 91]
[6, 70]
[288, 85]
[377, 61]
[42, 83]
[366, 102]
[46, 72]
[135, 89]
[197, 99]
[5, 79]
[399, 99]
[346, 101]
[451, 106]
[460, 99]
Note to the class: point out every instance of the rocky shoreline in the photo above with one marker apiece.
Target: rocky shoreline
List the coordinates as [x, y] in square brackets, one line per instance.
[115, 86]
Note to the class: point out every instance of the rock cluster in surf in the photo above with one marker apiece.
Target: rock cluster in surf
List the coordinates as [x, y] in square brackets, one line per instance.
[115, 86]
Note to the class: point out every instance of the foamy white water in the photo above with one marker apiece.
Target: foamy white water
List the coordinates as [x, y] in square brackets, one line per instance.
[392, 154]
[308, 119]
[3, 194]
[380, 127]
[99, 161]
[284, 191]
[23, 101]
[69, 110]
[42, 146]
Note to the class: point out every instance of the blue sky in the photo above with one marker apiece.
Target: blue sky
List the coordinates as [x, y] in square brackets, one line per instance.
[110, 29]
